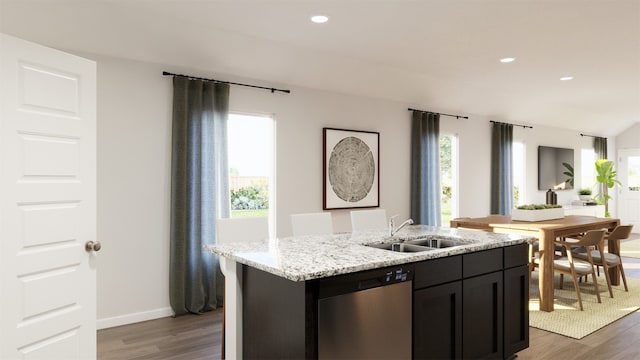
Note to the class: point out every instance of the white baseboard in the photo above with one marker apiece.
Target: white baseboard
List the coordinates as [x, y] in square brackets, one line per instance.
[133, 318]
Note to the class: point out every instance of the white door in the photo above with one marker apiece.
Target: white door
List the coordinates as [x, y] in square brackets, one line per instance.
[629, 176]
[47, 203]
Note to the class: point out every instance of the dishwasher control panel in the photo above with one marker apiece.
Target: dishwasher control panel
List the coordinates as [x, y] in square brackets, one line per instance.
[363, 280]
[397, 275]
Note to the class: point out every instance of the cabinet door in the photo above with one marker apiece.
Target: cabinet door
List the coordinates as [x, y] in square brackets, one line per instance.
[516, 309]
[482, 326]
[437, 322]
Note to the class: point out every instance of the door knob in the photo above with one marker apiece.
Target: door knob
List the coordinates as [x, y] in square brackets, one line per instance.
[93, 246]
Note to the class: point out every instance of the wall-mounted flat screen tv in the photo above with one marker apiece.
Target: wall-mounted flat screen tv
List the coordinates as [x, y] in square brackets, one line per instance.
[555, 168]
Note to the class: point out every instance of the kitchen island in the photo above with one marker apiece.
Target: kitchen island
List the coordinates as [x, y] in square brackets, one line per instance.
[480, 282]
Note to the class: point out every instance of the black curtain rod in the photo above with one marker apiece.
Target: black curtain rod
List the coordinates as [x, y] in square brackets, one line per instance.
[166, 73]
[455, 116]
[593, 136]
[524, 126]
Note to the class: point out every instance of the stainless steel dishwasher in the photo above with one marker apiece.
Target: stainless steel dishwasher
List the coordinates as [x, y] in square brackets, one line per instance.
[366, 315]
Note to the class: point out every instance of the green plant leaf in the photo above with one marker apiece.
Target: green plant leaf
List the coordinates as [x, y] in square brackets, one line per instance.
[569, 173]
[606, 176]
[568, 166]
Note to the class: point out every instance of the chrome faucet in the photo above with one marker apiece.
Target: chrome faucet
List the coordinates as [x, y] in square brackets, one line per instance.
[393, 229]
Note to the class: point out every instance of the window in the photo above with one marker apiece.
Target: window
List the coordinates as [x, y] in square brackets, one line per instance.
[251, 154]
[519, 173]
[449, 177]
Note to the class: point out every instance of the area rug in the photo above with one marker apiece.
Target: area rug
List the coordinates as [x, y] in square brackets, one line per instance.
[630, 248]
[568, 320]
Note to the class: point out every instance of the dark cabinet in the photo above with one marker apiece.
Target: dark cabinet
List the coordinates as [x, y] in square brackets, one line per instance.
[278, 320]
[437, 309]
[516, 295]
[482, 306]
[437, 331]
[472, 306]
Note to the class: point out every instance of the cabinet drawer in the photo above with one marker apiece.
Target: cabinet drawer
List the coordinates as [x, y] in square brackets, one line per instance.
[437, 271]
[481, 262]
[516, 255]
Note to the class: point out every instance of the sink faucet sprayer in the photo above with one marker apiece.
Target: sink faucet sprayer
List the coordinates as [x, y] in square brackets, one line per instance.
[392, 229]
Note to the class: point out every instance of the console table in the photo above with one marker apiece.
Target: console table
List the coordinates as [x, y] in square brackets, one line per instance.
[586, 210]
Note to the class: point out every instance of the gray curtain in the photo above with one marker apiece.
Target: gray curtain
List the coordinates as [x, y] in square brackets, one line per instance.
[600, 147]
[199, 192]
[425, 168]
[600, 150]
[501, 168]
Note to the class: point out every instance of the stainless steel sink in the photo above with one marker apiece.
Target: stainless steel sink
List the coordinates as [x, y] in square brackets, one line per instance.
[401, 247]
[417, 245]
[434, 243]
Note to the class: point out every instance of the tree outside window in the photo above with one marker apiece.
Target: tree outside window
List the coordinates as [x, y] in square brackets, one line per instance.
[448, 177]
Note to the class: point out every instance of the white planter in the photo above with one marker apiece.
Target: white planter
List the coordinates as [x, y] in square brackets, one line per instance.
[537, 215]
[585, 197]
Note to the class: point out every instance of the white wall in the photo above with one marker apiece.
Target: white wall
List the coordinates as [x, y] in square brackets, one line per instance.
[134, 149]
[630, 138]
[134, 140]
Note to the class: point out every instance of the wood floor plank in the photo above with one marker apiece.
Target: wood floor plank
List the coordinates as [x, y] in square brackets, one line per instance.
[194, 337]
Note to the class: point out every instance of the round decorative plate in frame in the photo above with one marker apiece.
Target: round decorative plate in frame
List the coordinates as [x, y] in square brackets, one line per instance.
[350, 169]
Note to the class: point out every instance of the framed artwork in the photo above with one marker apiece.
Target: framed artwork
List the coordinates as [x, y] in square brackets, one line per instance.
[351, 169]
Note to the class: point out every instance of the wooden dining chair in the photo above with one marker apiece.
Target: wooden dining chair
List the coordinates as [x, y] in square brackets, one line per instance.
[576, 267]
[605, 259]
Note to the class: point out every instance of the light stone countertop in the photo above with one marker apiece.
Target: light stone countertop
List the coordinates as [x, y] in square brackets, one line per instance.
[309, 257]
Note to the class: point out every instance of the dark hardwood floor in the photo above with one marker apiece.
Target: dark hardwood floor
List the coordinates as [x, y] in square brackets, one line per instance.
[198, 337]
[188, 337]
[614, 341]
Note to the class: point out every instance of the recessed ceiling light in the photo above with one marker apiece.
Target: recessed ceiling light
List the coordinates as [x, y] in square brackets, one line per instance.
[319, 19]
[566, 78]
[507, 60]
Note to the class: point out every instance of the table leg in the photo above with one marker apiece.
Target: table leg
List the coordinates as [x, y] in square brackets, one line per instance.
[546, 269]
[614, 248]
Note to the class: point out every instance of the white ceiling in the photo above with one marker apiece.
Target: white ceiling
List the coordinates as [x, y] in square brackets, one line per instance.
[439, 55]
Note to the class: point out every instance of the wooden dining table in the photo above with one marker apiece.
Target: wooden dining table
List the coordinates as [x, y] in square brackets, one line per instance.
[546, 232]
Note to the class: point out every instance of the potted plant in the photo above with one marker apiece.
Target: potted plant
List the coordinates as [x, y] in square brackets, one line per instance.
[584, 194]
[537, 212]
[606, 176]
